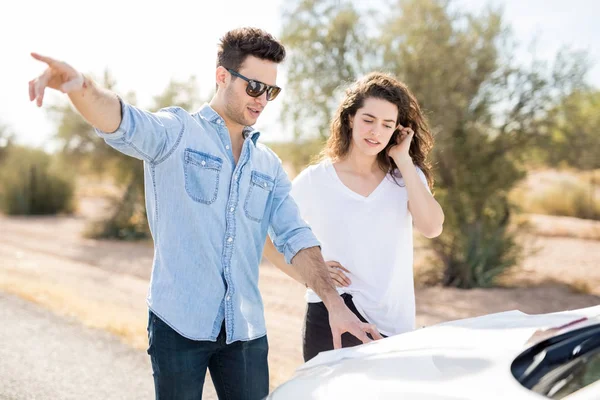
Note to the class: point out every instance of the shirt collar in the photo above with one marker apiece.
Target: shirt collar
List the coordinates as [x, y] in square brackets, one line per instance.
[209, 114]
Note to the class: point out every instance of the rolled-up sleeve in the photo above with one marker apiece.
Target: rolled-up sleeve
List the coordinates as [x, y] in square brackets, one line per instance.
[144, 135]
[287, 230]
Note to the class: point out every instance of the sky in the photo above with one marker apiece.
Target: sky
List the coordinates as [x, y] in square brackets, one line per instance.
[147, 43]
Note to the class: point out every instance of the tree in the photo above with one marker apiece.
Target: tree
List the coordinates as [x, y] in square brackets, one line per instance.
[574, 140]
[324, 38]
[485, 109]
[488, 111]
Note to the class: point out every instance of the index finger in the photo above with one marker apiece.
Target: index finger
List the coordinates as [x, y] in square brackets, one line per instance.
[358, 331]
[373, 331]
[337, 340]
[337, 265]
[48, 60]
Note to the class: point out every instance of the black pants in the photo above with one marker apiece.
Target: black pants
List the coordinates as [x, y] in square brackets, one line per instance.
[317, 332]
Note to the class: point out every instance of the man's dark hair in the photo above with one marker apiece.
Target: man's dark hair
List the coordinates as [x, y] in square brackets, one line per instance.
[240, 43]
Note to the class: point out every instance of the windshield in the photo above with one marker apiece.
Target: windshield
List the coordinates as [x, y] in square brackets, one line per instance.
[587, 374]
[561, 365]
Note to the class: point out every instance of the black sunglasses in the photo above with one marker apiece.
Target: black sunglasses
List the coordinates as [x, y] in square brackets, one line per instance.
[257, 88]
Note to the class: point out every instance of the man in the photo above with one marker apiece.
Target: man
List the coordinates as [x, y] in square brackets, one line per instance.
[212, 192]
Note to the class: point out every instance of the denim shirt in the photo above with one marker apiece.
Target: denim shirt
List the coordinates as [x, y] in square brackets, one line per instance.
[209, 218]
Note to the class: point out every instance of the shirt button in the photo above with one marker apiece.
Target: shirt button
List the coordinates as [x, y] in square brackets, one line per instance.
[232, 209]
[228, 298]
[265, 184]
[230, 239]
[235, 177]
[203, 163]
[227, 147]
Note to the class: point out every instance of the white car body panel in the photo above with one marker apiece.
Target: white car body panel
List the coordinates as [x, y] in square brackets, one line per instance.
[464, 359]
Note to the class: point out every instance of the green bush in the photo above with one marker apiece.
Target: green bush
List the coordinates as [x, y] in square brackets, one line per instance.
[31, 184]
[128, 220]
[299, 154]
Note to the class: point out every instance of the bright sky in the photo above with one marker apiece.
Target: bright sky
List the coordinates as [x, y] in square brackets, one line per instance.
[146, 43]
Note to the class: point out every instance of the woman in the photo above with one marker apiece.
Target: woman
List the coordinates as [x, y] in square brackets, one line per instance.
[362, 200]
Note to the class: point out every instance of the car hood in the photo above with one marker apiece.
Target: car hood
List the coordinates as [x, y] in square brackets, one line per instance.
[462, 359]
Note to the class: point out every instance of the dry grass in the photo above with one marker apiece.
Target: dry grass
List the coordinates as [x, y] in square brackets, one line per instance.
[63, 300]
[84, 296]
[561, 193]
[567, 227]
[583, 287]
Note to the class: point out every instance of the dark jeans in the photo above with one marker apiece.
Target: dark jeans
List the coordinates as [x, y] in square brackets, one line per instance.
[238, 370]
[317, 332]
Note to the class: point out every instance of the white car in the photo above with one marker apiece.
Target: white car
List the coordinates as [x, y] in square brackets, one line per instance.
[509, 355]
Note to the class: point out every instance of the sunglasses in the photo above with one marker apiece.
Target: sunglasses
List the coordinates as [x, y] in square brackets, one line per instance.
[257, 88]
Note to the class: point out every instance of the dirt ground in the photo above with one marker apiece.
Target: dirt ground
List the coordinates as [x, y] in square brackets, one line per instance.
[103, 283]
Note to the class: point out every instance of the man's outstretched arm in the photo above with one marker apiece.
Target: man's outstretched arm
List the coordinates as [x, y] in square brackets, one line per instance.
[98, 106]
[132, 131]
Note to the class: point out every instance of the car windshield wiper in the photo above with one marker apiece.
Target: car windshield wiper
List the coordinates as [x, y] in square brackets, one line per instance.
[546, 363]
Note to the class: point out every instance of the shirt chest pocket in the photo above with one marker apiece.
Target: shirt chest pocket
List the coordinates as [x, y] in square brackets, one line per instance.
[260, 189]
[202, 173]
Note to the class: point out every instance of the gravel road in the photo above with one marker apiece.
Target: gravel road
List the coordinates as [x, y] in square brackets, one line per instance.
[43, 356]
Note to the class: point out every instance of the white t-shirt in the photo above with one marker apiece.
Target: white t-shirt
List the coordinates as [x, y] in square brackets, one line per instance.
[370, 236]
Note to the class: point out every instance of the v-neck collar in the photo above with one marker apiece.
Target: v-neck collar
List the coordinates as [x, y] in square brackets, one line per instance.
[334, 175]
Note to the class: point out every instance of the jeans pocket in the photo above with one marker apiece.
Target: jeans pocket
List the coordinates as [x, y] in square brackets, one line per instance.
[260, 189]
[202, 172]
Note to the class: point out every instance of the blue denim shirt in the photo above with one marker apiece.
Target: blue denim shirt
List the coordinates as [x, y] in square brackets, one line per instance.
[209, 218]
